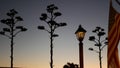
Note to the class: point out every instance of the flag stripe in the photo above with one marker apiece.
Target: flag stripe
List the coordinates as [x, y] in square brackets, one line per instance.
[116, 59]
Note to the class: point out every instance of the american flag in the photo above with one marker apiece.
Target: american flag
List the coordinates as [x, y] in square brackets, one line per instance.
[113, 38]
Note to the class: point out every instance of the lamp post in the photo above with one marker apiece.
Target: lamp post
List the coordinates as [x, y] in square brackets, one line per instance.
[80, 33]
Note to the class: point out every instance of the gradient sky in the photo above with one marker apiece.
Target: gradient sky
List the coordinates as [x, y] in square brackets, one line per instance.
[31, 49]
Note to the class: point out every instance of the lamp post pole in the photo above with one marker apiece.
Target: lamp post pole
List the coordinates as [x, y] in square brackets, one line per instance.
[81, 59]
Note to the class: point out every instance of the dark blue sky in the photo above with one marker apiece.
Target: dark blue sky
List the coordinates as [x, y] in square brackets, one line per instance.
[32, 47]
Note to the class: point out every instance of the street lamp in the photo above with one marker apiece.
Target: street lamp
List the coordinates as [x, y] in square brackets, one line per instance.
[80, 33]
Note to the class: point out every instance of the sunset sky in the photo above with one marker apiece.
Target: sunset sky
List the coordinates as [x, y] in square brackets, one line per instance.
[32, 48]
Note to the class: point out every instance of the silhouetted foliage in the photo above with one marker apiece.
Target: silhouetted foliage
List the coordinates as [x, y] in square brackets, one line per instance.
[70, 65]
[98, 42]
[49, 18]
[12, 30]
[2, 33]
[92, 38]
[91, 49]
[41, 27]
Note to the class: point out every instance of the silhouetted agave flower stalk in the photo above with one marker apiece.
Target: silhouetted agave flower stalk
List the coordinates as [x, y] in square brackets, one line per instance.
[99, 42]
[53, 25]
[12, 29]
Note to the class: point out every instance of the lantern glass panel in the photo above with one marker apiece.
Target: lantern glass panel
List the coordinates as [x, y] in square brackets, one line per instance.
[80, 35]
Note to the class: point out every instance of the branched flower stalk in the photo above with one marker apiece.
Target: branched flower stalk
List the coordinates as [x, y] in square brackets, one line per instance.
[99, 42]
[49, 18]
[12, 30]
